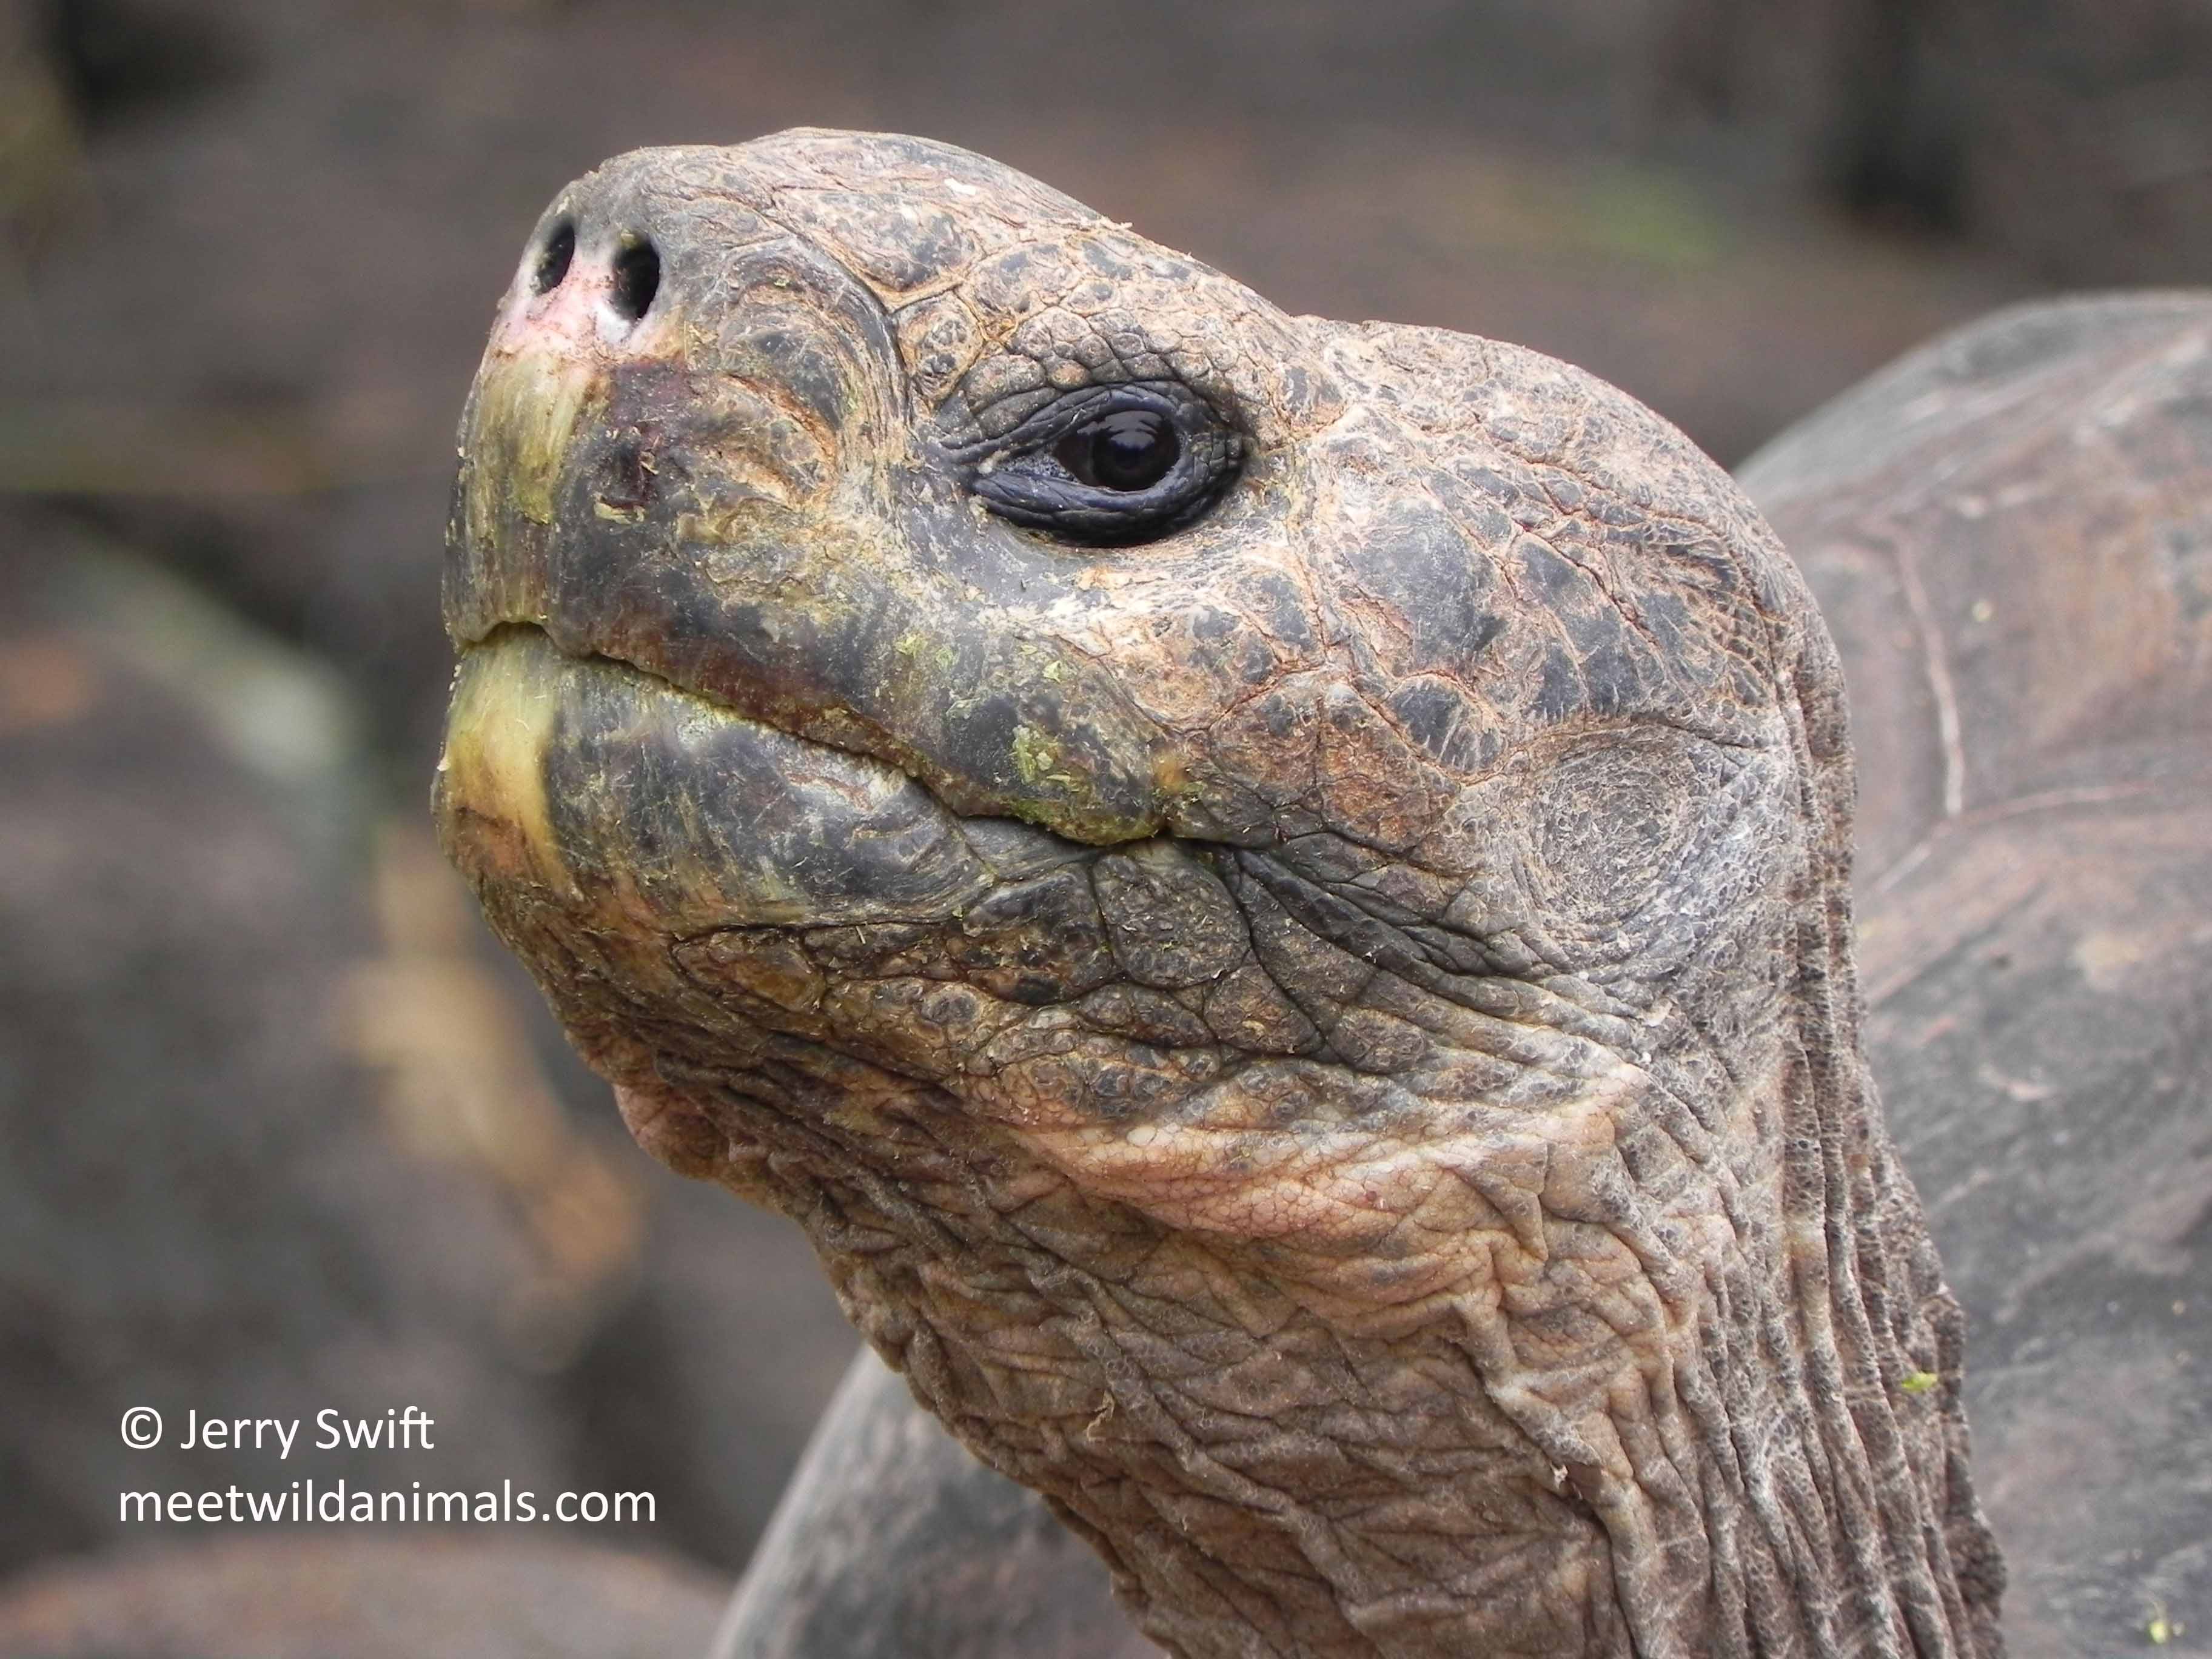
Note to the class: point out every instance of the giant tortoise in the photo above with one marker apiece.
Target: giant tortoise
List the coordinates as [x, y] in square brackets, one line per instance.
[1275, 897]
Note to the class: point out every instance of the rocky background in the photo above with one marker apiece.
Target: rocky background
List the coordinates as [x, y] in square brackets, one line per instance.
[278, 1129]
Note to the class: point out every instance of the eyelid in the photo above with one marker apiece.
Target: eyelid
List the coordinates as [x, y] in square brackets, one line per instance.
[1056, 419]
[1016, 476]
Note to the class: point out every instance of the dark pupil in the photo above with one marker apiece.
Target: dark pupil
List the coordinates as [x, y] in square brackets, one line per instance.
[1129, 449]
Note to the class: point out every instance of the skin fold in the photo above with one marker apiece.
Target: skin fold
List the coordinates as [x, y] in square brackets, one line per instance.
[1323, 1041]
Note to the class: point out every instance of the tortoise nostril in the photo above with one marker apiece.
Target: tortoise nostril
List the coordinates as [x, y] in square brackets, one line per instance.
[553, 263]
[637, 277]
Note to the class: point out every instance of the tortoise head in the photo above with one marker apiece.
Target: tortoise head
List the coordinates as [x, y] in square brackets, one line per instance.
[1231, 869]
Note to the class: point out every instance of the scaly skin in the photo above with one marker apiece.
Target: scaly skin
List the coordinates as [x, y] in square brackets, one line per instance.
[1325, 1042]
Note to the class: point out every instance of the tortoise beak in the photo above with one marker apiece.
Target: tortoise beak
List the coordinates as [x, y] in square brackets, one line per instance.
[592, 787]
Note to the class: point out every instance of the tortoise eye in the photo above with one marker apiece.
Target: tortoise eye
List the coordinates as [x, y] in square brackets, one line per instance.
[1107, 465]
[1129, 449]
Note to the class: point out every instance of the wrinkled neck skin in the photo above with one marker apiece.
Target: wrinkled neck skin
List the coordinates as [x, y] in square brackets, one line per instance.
[1355, 1279]
[1326, 1042]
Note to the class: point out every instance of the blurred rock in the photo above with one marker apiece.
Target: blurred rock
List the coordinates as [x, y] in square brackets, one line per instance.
[118, 59]
[278, 1133]
[40, 159]
[702, 1386]
[354, 1595]
[894, 1541]
[202, 1203]
[2074, 135]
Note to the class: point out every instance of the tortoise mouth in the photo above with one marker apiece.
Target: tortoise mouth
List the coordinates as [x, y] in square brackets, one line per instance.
[613, 792]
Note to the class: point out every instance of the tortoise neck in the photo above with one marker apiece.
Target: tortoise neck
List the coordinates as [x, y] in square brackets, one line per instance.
[1835, 1510]
[1705, 1378]
[1823, 1504]
[1819, 1500]
[1781, 1471]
